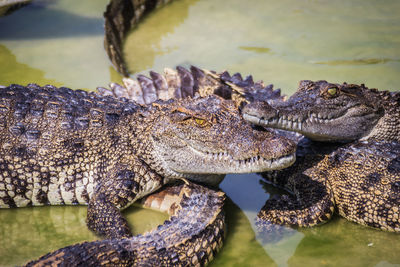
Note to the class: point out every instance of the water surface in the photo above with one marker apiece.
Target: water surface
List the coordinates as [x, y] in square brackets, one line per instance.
[61, 42]
[280, 42]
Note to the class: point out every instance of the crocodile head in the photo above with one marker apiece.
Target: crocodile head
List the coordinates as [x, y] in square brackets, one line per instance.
[322, 111]
[202, 136]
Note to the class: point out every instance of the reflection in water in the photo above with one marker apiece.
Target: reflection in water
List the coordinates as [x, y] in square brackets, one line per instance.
[28, 233]
[142, 49]
[366, 61]
[40, 26]
[63, 39]
[240, 247]
[331, 245]
[13, 69]
[249, 195]
[256, 49]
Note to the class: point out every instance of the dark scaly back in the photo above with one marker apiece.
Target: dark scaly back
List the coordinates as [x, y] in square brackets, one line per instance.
[45, 131]
[365, 180]
[360, 181]
[76, 109]
[388, 127]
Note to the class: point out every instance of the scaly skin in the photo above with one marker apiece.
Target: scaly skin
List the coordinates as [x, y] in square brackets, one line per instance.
[59, 146]
[189, 83]
[312, 203]
[325, 111]
[360, 181]
[331, 112]
[319, 110]
[191, 237]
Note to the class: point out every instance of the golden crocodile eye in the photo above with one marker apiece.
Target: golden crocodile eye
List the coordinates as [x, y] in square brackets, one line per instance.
[200, 122]
[332, 91]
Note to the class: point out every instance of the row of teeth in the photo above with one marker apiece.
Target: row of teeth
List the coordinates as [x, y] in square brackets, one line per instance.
[257, 160]
[291, 123]
[285, 122]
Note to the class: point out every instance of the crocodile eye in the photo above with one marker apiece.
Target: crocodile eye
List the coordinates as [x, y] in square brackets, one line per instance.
[180, 116]
[200, 122]
[332, 91]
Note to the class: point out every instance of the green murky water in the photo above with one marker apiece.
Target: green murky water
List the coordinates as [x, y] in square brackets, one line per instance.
[280, 42]
[61, 42]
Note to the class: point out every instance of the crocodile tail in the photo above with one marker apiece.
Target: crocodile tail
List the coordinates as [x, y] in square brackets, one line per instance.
[182, 83]
[191, 237]
[121, 16]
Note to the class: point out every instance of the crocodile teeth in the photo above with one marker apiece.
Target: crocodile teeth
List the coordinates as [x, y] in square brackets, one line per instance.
[320, 119]
[253, 162]
[280, 122]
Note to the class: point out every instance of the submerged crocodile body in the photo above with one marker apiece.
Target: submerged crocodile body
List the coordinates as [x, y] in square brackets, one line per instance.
[351, 112]
[360, 180]
[60, 146]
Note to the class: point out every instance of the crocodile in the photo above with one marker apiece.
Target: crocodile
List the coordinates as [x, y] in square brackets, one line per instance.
[326, 111]
[192, 235]
[61, 146]
[319, 110]
[365, 188]
[311, 202]
[360, 181]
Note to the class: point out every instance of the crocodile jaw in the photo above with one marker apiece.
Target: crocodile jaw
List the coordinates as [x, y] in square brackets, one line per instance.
[208, 167]
[223, 162]
[320, 127]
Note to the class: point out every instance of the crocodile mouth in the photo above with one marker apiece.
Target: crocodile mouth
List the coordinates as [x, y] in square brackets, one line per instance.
[346, 125]
[246, 165]
[294, 124]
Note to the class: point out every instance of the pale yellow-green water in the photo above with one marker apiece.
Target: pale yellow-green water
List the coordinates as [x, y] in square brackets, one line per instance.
[281, 42]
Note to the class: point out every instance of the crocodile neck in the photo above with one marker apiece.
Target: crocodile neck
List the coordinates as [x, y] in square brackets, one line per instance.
[388, 126]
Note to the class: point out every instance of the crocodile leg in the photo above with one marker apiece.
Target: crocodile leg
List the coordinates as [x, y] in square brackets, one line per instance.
[311, 204]
[104, 216]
